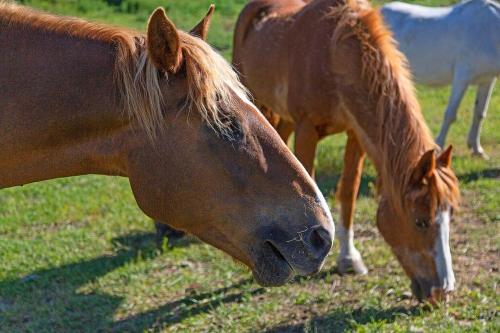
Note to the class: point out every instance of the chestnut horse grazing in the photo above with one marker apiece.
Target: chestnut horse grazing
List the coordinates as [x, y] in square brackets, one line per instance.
[330, 66]
[169, 113]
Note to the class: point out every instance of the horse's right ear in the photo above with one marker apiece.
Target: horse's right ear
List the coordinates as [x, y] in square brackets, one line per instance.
[201, 29]
[425, 167]
[163, 42]
[444, 158]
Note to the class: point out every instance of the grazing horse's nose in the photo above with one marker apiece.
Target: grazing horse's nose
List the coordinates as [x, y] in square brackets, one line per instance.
[320, 240]
[425, 291]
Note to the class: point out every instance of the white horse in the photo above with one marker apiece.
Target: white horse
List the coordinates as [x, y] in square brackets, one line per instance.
[458, 45]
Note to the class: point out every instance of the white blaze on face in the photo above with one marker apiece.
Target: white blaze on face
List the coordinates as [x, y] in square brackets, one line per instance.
[442, 253]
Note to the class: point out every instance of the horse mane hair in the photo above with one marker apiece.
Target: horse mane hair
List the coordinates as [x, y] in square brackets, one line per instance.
[211, 80]
[385, 71]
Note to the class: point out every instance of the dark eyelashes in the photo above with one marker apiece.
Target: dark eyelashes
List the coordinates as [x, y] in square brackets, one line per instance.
[422, 223]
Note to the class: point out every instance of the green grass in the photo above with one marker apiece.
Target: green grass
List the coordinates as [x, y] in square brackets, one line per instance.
[77, 255]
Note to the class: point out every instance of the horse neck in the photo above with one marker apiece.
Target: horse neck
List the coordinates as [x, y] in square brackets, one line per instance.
[60, 111]
[394, 135]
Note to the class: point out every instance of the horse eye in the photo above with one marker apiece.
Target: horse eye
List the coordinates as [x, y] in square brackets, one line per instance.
[422, 223]
[236, 133]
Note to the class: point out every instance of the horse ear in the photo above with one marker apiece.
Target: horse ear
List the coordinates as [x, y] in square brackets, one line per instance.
[444, 158]
[164, 46]
[425, 167]
[201, 29]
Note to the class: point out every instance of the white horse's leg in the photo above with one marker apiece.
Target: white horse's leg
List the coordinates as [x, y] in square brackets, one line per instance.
[480, 108]
[457, 92]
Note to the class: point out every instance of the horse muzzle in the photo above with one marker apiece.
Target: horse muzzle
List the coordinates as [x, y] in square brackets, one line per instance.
[280, 258]
[424, 290]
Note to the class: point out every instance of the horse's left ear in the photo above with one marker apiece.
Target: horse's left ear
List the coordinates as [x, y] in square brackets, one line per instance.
[444, 158]
[201, 29]
[425, 167]
[164, 45]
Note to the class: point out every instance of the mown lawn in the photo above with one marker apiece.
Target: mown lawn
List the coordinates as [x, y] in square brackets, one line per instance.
[77, 255]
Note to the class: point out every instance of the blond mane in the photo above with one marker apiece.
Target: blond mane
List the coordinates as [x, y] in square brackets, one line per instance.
[211, 80]
[385, 71]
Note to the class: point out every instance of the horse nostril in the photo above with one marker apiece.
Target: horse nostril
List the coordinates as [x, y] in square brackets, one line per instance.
[321, 241]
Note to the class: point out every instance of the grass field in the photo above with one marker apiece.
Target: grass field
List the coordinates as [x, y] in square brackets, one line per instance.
[77, 255]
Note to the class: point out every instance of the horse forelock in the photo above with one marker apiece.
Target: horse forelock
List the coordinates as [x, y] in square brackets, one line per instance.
[212, 83]
[211, 80]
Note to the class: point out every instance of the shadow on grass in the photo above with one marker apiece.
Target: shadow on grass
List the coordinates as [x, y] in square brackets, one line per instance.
[189, 306]
[53, 300]
[340, 320]
[475, 175]
[168, 237]
[50, 300]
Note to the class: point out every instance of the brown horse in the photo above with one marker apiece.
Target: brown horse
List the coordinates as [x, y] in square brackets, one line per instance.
[329, 66]
[169, 113]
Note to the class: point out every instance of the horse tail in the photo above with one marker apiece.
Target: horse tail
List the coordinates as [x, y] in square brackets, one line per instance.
[245, 20]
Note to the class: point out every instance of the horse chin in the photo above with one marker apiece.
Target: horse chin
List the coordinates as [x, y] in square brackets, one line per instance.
[424, 291]
[272, 269]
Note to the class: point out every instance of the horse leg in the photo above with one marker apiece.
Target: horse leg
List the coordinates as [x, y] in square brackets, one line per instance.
[349, 257]
[306, 140]
[480, 108]
[272, 118]
[457, 92]
[285, 129]
[163, 231]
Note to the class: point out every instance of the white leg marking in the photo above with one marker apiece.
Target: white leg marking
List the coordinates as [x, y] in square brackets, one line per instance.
[346, 238]
[442, 253]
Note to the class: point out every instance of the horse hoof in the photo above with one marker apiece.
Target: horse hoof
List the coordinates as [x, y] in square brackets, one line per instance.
[351, 266]
[440, 142]
[163, 231]
[480, 154]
